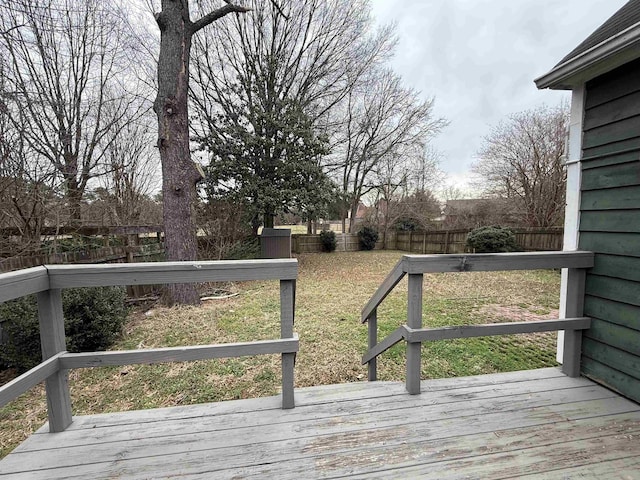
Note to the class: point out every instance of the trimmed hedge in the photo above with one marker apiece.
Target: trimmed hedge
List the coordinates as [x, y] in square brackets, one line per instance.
[492, 239]
[367, 236]
[328, 240]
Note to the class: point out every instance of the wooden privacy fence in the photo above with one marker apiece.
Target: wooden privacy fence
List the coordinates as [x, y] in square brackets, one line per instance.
[413, 334]
[455, 241]
[433, 241]
[99, 255]
[48, 281]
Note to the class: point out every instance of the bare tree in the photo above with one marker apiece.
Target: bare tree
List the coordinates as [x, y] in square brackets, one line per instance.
[383, 122]
[65, 71]
[26, 180]
[132, 178]
[179, 174]
[403, 192]
[522, 159]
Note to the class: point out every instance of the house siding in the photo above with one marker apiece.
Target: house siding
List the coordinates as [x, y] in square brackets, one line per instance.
[610, 226]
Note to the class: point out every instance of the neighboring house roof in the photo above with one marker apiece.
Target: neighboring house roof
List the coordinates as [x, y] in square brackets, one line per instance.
[614, 43]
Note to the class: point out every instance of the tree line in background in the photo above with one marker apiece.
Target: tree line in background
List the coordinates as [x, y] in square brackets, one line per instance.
[290, 108]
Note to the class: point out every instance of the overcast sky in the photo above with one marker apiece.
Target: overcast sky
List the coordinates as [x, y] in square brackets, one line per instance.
[478, 58]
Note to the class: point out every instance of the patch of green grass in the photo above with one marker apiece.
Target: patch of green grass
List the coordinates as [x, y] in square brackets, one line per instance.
[331, 291]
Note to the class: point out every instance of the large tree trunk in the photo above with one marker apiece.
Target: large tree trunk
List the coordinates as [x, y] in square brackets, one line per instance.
[74, 198]
[179, 175]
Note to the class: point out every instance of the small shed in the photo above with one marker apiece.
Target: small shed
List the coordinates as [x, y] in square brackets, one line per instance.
[603, 192]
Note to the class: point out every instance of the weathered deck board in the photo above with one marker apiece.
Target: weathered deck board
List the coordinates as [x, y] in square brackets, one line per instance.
[492, 426]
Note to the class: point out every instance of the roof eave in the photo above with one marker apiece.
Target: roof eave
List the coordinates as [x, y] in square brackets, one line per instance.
[604, 57]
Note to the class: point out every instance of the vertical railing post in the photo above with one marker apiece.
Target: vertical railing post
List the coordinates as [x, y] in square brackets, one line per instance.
[575, 308]
[372, 326]
[414, 320]
[287, 312]
[52, 338]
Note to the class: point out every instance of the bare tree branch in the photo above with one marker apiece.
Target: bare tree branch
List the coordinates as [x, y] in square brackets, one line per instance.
[218, 14]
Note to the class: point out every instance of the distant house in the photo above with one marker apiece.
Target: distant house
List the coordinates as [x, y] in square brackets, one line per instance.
[478, 212]
[603, 192]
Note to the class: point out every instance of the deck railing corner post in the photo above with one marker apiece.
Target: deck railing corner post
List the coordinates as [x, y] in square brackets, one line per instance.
[572, 343]
[52, 339]
[414, 320]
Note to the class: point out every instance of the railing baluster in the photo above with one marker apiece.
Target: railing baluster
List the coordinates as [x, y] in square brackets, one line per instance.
[373, 341]
[52, 338]
[287, 311]
[414, 320]
[575, 307]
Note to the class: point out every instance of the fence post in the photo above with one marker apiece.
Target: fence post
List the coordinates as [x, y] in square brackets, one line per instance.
[575, 308]
[52, 339]
[287, 312]
[372, 326]
[414, 320]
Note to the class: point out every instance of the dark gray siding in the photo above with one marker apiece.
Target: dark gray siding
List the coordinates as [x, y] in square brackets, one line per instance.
[610, 226]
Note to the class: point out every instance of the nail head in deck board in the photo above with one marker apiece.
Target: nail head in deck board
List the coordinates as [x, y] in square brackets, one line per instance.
[497, 261]
[178, 354]
[23, 282]
[64, 276]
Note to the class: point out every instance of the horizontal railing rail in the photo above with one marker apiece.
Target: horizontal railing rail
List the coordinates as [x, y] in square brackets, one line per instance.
[48, 281]
[413, 334]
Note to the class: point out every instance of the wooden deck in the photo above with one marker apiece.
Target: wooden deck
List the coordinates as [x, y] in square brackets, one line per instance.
[537, 423]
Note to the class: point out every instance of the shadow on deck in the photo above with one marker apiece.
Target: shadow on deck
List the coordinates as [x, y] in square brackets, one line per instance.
[538, 422]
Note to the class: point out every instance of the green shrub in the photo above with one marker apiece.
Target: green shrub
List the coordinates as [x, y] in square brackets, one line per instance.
[246, 249]
[328, 240]
[20, 339]
[367, 237]
[93, 319]
[492, 239]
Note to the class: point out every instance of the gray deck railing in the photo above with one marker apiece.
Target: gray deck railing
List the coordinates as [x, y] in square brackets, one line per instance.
[412, 332]
[48, 281]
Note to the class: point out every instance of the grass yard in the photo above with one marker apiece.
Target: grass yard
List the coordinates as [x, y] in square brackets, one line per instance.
[332, 289]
